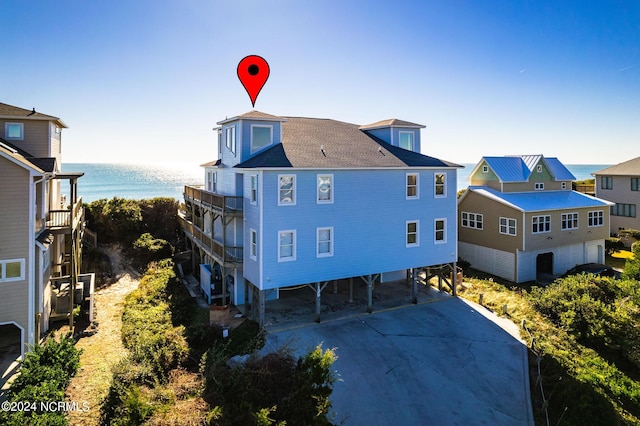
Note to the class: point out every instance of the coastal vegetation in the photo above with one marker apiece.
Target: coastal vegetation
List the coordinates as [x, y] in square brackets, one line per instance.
[584, 339]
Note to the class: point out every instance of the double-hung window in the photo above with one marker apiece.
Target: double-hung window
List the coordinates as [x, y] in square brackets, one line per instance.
[212, 181]
[253, 244]
[413, 228]
[412, 186]
[254, 190]
[634, 184]
[596, 218]
[440, 189]
[286, 246]
[606, 182]
[324, 237]
[440, 231]
[508, 226]
[539, 186]
[569, 221]
[11, 270]
[14, 131]
[325, 189]
[540, 224]
[286, 190]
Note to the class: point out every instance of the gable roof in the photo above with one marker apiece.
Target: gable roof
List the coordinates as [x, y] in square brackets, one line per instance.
[17, 113]
[627, 168]
[255, 115]
[391, 122]
[539, 200]
[326, 143]
[518, 168]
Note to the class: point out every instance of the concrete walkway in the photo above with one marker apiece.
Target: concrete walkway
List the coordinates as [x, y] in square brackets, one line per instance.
[440, 362]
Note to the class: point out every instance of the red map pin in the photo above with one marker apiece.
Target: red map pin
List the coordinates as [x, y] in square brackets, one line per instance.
[253, 72]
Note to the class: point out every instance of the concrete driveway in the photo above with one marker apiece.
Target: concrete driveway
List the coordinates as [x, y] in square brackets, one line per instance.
[438, 363]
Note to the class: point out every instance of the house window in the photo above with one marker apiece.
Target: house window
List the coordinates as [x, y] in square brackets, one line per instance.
[563, 185]
[231, 138]
[540, 224]
[254, 189]
[412, 233]
[440, 231]
[219, 141]
[606, 182]
[472, 220]
[325, 189]
[412, 185]
[620, 209]
[286, 190]
[439, 181]
[539, 168]
[14, 131]
[539, 186]
[569, 221]
[507, 226]
[212, 181]
[485, 169]
[254, 244]
[634, 184]
[11, 270]
[286, 246]
[261, 136]
[596, 218]
[406, 140]
[324, 242]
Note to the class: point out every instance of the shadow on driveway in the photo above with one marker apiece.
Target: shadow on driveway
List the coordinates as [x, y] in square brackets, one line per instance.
[435, 363]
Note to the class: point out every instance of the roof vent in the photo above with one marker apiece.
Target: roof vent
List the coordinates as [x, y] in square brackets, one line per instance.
[322, 150]
[32, 112]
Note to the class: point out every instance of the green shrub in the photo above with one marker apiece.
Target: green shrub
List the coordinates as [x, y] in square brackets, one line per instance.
[612, 245]
[149, 249]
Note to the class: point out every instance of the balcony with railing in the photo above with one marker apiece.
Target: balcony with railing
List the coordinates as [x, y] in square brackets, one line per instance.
[223, 203]
[222, 253]
[60, 220]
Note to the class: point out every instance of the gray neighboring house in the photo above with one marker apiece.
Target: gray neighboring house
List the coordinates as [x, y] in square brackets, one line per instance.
[620, 184]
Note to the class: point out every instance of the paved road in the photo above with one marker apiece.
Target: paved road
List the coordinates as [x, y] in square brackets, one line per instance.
[438, 363]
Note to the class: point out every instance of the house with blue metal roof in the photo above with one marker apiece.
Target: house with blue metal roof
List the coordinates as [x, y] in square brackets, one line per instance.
[305, 201]
[520, 219]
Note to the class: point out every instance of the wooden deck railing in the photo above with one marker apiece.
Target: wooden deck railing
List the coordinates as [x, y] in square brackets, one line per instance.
[225, 253]
[225, 203]
[61, 219]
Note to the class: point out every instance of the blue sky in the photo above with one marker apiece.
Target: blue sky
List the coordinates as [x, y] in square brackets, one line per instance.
[146, 81]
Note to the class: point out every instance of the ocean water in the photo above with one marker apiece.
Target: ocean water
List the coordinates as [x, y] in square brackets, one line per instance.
[105, 180]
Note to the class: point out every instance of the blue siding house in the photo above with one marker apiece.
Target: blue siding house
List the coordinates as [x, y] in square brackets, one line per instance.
[296, 200]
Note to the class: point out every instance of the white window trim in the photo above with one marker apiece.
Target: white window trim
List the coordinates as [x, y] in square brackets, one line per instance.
[538, 231]
[413, 139]
[539, 186]
[563, 185]
[293, 191]
[412, 197]
[270, 137]
[539, 168]
[564, 218]
[595, 214]
[230, 138]
[330, 253]
[253, 254]
[4, 270]
[6, 131]
[515, 226]
[330, 200]
[444, 185]
[219, 141]
[406, 233]
[253, 201]
[444, 230]
[293, 250]
[485, 169]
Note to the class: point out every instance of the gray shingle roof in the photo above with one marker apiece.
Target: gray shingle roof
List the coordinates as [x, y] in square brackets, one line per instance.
[256, 115]
[10, 111]
[627, 168]
[391, 122]
[326, 143]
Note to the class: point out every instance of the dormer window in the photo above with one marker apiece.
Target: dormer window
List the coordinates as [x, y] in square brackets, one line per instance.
[14, 131]
[231, 138]
[406, 140]
[261, 136]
